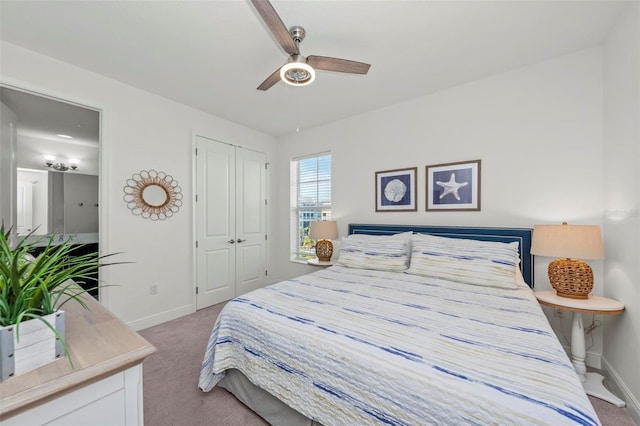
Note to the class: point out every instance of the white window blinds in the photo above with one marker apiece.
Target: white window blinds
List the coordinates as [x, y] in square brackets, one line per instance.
[310, 200]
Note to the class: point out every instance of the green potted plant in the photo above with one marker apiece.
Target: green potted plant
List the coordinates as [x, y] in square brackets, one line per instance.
[33, 289]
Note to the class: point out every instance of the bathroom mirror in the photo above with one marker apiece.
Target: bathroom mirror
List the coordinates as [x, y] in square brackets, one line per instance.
[153, 195]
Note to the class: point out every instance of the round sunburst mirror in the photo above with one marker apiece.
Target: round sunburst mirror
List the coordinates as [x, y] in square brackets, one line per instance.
[153, 195]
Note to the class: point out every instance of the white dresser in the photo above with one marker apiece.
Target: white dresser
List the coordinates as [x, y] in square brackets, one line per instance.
[104, 388]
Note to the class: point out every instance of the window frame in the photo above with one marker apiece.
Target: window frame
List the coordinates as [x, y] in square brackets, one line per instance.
[319, 210]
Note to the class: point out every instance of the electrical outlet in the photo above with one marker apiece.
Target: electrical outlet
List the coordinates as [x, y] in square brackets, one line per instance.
[153, 289]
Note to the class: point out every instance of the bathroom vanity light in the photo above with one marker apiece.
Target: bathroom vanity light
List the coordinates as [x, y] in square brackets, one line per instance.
[58, 166]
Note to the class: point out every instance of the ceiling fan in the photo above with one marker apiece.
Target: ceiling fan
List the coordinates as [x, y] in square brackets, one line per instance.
[299, 71]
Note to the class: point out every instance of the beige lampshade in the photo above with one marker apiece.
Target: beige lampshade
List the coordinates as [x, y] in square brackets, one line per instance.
[569, 276]
[567, 241]
[324, 230]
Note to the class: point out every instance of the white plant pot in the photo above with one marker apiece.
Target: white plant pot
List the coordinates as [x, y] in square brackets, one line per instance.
[35, 346]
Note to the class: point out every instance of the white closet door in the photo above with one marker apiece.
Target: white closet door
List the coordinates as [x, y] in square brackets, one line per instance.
[251, 209]
[230, 221]
[215, 222]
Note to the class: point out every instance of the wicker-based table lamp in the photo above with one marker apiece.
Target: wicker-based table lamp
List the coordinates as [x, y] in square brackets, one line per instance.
[569, 276]
[323, 232]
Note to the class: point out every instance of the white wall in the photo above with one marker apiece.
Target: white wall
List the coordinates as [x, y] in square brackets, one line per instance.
[8, 172]
[140, 131]
[537, 130]
[621, 198]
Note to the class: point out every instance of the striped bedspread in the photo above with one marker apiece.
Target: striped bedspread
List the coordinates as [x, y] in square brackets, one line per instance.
[348, 346]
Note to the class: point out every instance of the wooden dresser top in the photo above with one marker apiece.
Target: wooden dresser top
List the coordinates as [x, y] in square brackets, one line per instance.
[100, 345]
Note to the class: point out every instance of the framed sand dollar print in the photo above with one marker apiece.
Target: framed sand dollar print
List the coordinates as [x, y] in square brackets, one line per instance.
[396, 190]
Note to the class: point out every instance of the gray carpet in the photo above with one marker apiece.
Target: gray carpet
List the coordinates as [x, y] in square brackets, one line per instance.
[172, 397]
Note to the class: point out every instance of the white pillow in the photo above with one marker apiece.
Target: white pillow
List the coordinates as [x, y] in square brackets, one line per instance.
[405, 237]
[380, 252]
[483, 263]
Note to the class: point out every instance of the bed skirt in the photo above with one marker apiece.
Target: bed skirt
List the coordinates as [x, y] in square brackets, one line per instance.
[262, 402]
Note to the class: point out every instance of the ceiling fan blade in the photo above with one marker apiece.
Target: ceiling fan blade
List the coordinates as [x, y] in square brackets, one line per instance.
[270, 81]
[339, 65]
[276, 26]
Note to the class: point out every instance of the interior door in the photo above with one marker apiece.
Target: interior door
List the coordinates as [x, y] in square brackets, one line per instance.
[251, 235]
[24, 205]
[215, 222]
[230, 221]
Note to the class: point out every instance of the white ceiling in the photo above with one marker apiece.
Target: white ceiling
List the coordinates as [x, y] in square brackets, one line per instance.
[212, 55]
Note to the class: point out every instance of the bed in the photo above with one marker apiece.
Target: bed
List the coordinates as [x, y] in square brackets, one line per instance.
[412, 326]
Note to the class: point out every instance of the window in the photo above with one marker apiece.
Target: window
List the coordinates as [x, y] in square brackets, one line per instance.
[310, 200]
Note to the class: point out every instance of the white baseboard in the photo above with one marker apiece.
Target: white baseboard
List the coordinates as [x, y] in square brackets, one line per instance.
[633, 405]
[150, 321]
[593, 360]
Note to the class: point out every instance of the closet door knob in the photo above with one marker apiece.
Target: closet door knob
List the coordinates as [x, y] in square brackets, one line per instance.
[231, 241]
[240, 240]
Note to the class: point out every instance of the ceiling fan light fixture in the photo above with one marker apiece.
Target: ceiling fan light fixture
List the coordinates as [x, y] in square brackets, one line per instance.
[297, 72]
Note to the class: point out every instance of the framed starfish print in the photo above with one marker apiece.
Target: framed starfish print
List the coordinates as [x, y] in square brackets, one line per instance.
[396, 190]
[453, 186]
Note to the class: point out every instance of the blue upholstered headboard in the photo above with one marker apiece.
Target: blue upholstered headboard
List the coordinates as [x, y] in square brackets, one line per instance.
[506, 235]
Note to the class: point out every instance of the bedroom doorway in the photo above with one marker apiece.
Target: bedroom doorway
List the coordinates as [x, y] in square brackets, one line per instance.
[230, 221]
[50, 171]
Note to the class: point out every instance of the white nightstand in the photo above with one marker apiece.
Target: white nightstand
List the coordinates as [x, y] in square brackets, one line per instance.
[592, 382]
[316, 262]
